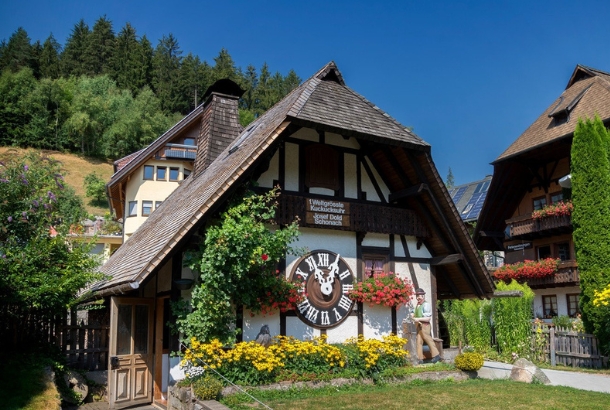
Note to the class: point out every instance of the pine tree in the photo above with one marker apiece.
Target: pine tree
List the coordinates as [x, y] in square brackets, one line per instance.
[18, 52]
[590, 170]
[166, 65]
[450, 180]
[73, 57]
[49, 58]
[100, 47]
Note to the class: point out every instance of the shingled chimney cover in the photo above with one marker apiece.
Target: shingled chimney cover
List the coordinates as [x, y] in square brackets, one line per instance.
[219, 123]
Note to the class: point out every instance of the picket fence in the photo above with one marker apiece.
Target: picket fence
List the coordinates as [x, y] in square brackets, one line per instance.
[567, 347]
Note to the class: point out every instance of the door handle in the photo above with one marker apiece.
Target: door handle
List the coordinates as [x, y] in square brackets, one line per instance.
[114, 362]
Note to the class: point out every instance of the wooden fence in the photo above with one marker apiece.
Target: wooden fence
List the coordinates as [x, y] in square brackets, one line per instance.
[85, 346]
[566, 347]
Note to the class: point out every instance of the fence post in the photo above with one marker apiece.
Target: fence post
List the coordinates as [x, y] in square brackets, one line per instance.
[552, 343]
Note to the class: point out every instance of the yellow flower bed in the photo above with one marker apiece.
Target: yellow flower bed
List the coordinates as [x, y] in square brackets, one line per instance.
[602, 298]
[251, 363]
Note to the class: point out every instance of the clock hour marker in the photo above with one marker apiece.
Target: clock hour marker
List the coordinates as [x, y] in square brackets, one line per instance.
[344, 274]
[346, 288]
[345, 303]
[312, 314]
[322, 259]
[302, 274]
[325, 318]
[312, 263]
[338, 316]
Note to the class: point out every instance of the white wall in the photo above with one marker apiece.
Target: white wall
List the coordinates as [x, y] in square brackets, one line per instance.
[562, 302]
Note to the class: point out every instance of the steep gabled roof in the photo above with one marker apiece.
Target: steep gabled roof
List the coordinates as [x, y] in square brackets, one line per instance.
[548, 138]
[322, 101]
[584, 98]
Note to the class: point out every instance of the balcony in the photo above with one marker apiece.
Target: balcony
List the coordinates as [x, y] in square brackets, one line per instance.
[567, 275]
[525, 227]
[177, 151]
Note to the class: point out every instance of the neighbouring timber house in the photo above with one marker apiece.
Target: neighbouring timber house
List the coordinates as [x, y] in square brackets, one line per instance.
[528, 177]
[366, 191]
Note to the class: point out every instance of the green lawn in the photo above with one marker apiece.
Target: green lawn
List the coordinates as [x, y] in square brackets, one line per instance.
[471, 394]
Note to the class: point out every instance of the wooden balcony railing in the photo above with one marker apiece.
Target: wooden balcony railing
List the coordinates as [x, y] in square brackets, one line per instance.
[527, 227]
[567, 275]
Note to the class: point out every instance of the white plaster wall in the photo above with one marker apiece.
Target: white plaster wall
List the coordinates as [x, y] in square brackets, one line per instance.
[377, 321]
[321, 191]
[422, 252]
[164, 374]
[338, 140]
[307, 134]
[299, 330]
[367, 185]
[266, 179]
[348, 328]
[253, 324]
[377, 239]
[341, 242]
[292, 167]
[350, 165]
[562, 301]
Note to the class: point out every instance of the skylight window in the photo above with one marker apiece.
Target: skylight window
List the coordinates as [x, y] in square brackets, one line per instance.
[242, 138]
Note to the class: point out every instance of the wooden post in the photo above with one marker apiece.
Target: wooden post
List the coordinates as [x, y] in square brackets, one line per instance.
[409, 330]
[552, 345]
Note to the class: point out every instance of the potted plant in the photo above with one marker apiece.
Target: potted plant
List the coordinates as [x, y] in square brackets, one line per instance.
[527, 270]
[385, 289]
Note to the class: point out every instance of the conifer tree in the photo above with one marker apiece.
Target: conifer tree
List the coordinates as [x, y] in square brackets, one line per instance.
[73, 57]
[590, 170]
[49, 58]
[166, 65]
[18, 52]
[100, 47]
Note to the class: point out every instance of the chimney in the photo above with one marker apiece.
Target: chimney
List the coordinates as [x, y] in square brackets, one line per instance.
[219, 123]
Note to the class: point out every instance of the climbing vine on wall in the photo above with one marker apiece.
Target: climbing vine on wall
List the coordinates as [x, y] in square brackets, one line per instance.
[236, 266]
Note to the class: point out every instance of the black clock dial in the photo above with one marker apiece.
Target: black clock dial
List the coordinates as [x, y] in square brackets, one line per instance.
[325, 279]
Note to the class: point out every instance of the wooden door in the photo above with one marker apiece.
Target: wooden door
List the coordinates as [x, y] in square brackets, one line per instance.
[131, 352]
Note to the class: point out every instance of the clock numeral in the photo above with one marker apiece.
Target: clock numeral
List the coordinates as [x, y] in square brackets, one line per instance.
[303, 306]
[347, 288]
[325, 318]
[322, 259]
[338, 316]
[345, 274]
[312, 314]
[302, 274]
[312, 263]
[345, 303]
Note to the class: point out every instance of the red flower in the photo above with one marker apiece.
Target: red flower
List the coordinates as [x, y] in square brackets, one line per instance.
[264, 256]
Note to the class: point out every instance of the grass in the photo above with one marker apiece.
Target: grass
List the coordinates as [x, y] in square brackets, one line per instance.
[76, 168]
[23, 385]
[471, 394]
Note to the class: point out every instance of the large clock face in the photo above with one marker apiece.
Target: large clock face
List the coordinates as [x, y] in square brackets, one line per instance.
[326, 279]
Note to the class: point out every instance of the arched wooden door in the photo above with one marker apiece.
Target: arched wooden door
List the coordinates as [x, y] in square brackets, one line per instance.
[131, 352]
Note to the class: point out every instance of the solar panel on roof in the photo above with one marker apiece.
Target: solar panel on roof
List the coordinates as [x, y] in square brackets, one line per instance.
[477, 201]
[458, 195]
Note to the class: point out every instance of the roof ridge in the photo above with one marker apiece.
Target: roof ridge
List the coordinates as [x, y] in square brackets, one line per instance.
[385, 114]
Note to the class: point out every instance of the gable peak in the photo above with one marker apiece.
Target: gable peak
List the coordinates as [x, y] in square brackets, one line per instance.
[330, 72]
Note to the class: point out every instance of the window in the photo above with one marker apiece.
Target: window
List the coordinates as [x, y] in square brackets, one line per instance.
[539, 203]
[373, 264]
[549, 306]
[187, 172]
[149, 172]
[189, 141]
[556, 197]
[133, 208]
[174, 173]
[573, 301]
[146, 208]
[544, 252]
[158, 204]
[563, 251]
[161, 173]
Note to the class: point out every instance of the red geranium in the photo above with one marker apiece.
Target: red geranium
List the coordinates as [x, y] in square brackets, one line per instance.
[383, 289]
[527, 269]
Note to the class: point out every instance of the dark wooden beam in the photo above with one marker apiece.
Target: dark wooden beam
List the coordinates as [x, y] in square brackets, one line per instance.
[454, 288]
[492, 234]
[405, 193]
[446, 259]
[508, 294]
[369, 172]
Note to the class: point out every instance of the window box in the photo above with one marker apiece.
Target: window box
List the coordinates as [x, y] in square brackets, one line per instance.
[527, 270]
[560, 208]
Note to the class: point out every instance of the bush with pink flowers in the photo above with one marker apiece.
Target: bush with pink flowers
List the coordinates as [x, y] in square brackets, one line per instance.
[385, 289]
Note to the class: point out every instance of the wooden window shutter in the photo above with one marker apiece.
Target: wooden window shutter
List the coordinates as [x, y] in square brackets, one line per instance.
[321, 167]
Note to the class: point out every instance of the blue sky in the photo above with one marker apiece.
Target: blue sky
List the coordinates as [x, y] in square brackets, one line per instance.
[468, 76]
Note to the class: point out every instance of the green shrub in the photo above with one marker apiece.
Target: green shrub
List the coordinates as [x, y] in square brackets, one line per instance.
[469, 361]
[207, 387]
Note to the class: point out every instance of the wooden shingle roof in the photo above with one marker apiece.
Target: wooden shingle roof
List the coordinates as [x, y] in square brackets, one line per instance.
[584, 98]
[323, 101]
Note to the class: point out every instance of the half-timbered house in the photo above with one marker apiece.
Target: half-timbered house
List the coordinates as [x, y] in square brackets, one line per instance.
[368, 197]
[528, 176]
